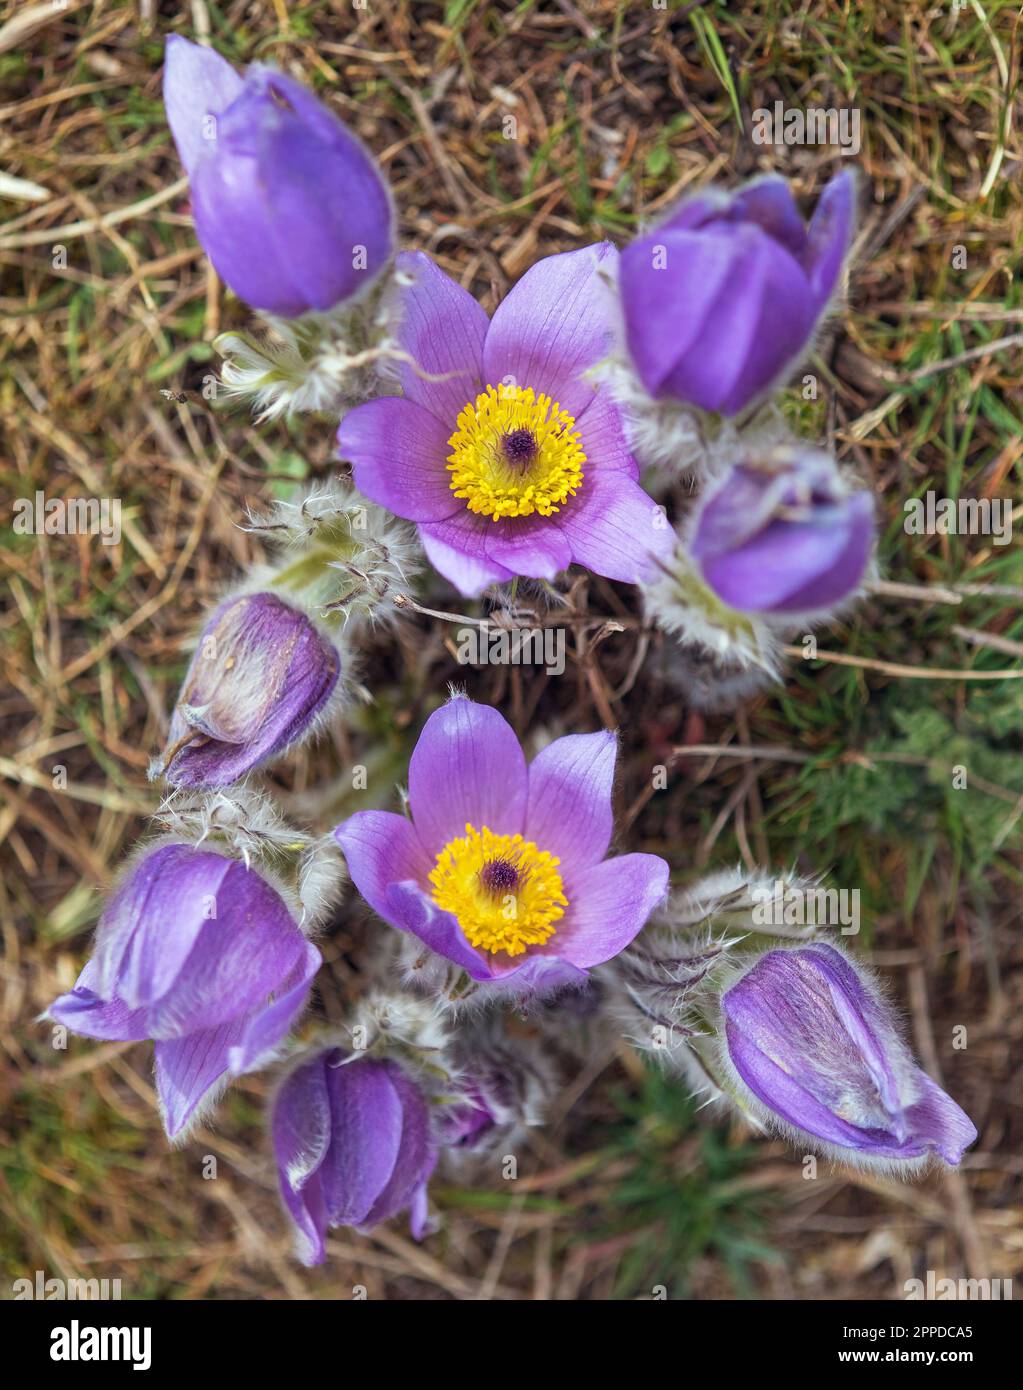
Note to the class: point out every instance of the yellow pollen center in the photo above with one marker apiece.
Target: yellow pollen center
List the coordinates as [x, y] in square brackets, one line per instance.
[505, 893]
[515, 453]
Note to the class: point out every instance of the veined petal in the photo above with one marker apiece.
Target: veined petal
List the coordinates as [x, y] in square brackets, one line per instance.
[398, 451]
[457, 549]
[660, 272]
[616, 530]
[413, 910]
[602, 435]
[300, 1128]
[443, 328]
[381, 848]
[191, 1073]
[569, 811]
[153, 921]
[86, 1013]
[416, 1155]
[247, 948]
[467, 768]
[366, 1125]
[555, 322]
[266, 1028]
[609, 904]
[530, 545]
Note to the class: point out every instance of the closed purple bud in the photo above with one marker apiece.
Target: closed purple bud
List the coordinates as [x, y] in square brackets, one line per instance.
[721, 298]
[289, 206]
[261, 674]
[781, 534]
[202, 955]
[469, 1121]
[352, 1141]
[812, 1040]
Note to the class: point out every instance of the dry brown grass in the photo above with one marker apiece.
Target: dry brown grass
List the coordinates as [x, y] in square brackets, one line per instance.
[619, 107]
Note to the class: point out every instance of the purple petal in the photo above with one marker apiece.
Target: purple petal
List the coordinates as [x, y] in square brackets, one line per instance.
[86, 1013]
[300, 1128]
[472, 550]
[536, 975]
[457, 550]
[241, 956]
[939, 1123]
[419, 1213]
[789, 540]
[615, 529]
[568, 812]
[602, 436]
[847, 564]
[660, 273]
[786, 1097]
[829, 235]
[443, 328]
[416, 1156]
[366, 1128]
[768, 202]
[759, 321]
[261, 675]
[192, 1071]
[694, 210]
[530, 545]
[289, 206]
[153, 921]
[381, 848]
[398, 452]
[556, 322]
[609, 904]
[413, 910]
[197, 83]
[467, 768]
[820, 1050]
[267, 1027]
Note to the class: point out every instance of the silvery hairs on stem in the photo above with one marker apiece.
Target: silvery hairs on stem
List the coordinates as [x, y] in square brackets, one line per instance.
[661, 988]
[342, 554]
[244, 821]
[325, 362]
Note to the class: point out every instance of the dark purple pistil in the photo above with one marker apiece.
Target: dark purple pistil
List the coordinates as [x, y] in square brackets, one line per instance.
[499, 876]
[519, 447]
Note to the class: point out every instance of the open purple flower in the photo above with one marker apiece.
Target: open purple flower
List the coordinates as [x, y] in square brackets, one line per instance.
[511, 463]
[723, 296]
[812, 1040]
[261, 674]
[502, 868]
[352, 1141]
[201, 954]
[288, 205]
[781, 534]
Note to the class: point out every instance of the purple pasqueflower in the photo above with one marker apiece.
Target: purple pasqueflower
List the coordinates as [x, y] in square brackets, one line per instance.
[781, 534]
[723, 296]
[510, 461]
[201, 954]
[288, 205]
[352, 1140]
[261, 673]
[811, 1038]
[502, 868]
[470, 1118]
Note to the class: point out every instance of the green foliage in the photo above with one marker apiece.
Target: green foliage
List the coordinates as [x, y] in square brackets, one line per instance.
[682, 1193]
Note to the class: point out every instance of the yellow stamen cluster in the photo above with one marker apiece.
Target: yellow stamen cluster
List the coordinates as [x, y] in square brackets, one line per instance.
[515, 453]
[505, 893]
